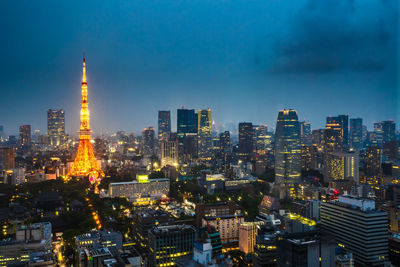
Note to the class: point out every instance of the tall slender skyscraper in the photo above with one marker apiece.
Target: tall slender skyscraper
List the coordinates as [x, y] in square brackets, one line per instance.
[246, 144]
[186, 129]
[56, 126]
[340, 123]
[85, 163]
[287, 148]
[164, 124]
[204, 128]
[25, 134]
[356, 133]
[148, 141]
[389, 131]
[305, 133]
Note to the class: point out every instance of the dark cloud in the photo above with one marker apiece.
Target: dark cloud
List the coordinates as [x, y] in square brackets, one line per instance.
[334, 35]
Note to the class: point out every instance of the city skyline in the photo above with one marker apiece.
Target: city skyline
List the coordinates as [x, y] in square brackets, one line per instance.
[147, 69]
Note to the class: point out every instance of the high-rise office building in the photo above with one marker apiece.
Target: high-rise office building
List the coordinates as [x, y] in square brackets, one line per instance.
[7, 157]
[56, 126]
[390, 150]
[318, 137]
[164, 124]
[342, 166]
[225, 145]
[358, 228]
[262, 139]
[389, 131]
[340, 123]
[246, 138]
[169, 152]
[378, 133]
[373, 170]
[306, 157]
[204, 128]
[356, 133]
[287, 148]
[305, 132]
[25, 134]
[1, 131]
[170, 243]
[148, 141]
[187, 132]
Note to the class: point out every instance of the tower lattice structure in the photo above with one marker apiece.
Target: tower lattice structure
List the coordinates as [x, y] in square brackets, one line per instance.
[85, 163]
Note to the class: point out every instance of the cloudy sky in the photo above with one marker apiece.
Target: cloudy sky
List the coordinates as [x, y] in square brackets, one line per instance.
[245, 59]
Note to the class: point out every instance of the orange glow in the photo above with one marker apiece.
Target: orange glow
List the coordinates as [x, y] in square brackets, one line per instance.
[85, 163]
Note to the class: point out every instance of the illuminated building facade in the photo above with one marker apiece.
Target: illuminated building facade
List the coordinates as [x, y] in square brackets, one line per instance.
[378, 133]
[145, 190]
[265, 250]
[170, 243]
[247, 236]
[169, 152]
[373, 169]
[85, 163]
[287, 148]
[305, 132]
[341, 124]
[262, 139]
[25, 135]
[342, 166]
[227, 225]
[306, 157]
[7, 158]
[164, 124]
[56, 126]
[246, 142]
[358, 228]
[144, 219]
[204, 128]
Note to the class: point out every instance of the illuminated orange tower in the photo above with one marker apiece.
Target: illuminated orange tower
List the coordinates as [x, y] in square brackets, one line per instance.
[85, 163]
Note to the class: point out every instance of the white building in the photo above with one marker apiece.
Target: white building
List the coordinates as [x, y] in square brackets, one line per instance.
[227, 225]
[136, 190]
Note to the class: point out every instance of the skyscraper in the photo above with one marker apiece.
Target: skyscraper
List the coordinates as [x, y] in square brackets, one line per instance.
[389, 131]
[341, 124]
[169, 152]
[305, 132]
[25, 134]
[148, 141]
[246, 138]
[373, 170]
[262, 139]
[225, 141]
[187, 132]
[378, 133]
[85, 163]
[287, 148]
[56, 126]
[356, 133]
[7, 157]
[164, 124]
[204, 124]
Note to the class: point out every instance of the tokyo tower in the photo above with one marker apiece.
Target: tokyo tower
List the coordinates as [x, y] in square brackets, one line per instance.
[85, 163]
